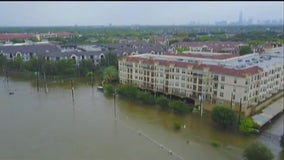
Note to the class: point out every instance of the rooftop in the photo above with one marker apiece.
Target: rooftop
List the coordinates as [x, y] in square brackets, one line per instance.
[221, 63]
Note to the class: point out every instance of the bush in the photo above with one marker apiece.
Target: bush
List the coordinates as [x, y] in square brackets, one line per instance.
[177, 125]
[163, 102]
[224, 117]
[216, 144]
[109, 89]
[180, 107]
[128, 91]
[248, 126]
[146, 97]
[257, 151]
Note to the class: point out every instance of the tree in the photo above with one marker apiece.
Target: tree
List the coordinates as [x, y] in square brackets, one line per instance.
[180, 107]
[110, 59]
[109, 89]
[257, 151]
[18, 63]
[247, 126]
[49, 68]
[282, 141]
[85, 66]
[31, 65]
[110, 74]
[146, 97]
[245, 50]
[128, 91]
[17, 41]
[173, 41]
[224, 117]
[163, 102]
[65, 67]
[3, 60]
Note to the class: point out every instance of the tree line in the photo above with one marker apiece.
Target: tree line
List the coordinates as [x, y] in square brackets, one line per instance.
[133, 93]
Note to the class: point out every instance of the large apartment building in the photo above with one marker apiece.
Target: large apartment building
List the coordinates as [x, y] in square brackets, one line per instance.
[224, 79]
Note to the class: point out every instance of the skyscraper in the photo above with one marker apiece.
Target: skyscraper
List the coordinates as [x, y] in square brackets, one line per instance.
[241, 18]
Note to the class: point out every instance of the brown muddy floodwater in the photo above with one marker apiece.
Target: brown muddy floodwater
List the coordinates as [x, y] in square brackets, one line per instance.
[38, 125]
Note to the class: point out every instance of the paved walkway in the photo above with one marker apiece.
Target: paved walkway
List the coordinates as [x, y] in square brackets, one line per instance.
[269, 112]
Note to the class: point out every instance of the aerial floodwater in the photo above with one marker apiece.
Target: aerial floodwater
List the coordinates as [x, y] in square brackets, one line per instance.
[37, 125]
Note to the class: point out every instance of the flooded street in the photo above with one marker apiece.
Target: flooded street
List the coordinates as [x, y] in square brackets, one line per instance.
[36, 125]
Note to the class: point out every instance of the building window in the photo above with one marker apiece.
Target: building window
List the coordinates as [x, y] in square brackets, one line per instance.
[223, 78]
[235, 80]
[222, 86]
[221, 94]
[215, 77]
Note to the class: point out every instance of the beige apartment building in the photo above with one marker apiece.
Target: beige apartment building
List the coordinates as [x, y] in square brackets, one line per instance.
[220, 79]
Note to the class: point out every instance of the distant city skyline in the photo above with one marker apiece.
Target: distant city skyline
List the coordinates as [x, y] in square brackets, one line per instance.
[139, 13]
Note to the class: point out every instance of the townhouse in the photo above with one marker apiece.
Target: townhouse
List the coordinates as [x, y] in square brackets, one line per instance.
[210, 46]
[38, 36]
[135, 47]
[13, 36]
[50, 52]
[240, 82]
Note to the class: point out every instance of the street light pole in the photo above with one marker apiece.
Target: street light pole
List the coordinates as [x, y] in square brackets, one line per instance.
[240, 110]
[232, 100]
[201, 104]
[114, 104]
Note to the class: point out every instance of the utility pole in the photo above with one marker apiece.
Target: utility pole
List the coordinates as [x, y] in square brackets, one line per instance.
[114, 104]
[92, 79]
[37, 81]
[232, 100]
[240, 111]
[201, 104]
[37, 77]
[7, 77]
[44, 77]
[72, 90]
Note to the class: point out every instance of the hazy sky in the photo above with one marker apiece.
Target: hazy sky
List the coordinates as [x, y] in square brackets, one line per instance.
[127, 13]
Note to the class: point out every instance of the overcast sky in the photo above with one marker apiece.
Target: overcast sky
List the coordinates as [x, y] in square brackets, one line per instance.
[128, 13]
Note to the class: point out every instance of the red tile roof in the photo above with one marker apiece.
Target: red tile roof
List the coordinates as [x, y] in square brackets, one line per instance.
[212, 68]
[11, 36]
[64, 34]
